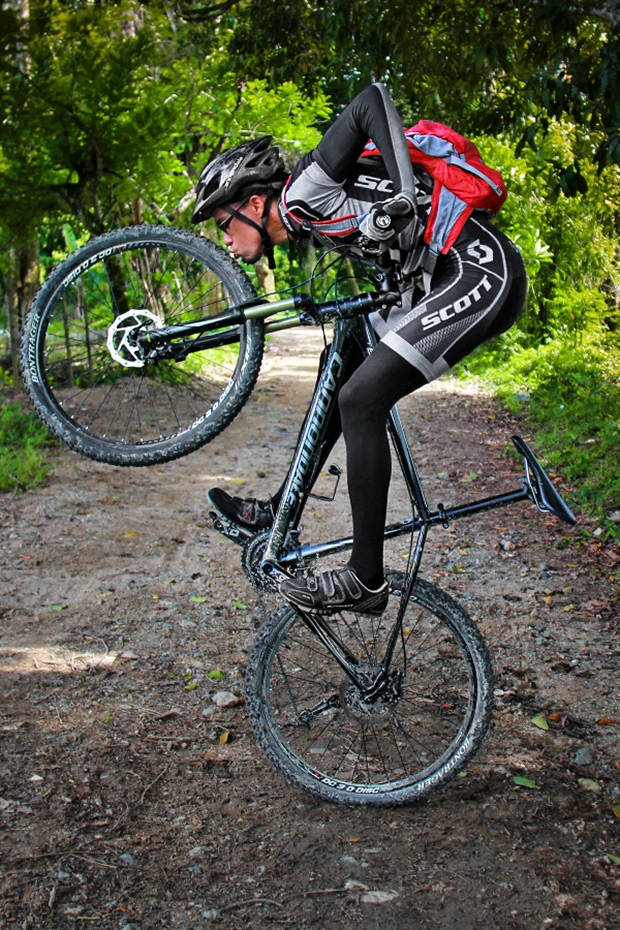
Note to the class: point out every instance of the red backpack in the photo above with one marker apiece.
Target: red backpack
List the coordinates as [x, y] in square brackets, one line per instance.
[462, 181]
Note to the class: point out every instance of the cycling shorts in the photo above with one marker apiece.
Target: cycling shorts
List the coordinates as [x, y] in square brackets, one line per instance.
[477, 291]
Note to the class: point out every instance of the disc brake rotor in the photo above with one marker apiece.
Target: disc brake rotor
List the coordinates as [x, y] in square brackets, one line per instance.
[122, 339]
[377, 710]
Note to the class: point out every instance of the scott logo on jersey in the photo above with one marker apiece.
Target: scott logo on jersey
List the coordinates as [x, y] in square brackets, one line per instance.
[464, 303]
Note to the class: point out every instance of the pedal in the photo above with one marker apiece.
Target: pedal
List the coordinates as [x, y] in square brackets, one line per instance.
[230, 530]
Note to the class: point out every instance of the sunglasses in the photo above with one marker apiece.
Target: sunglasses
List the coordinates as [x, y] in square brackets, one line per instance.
[224, 224]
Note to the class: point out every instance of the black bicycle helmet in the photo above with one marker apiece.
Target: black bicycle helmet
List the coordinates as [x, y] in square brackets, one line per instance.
[247, 168]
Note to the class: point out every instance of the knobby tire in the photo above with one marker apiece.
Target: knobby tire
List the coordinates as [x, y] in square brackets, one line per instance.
[99, 406]
[310, 719]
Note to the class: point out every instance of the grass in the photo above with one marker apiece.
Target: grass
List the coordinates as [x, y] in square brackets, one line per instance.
[24, 448]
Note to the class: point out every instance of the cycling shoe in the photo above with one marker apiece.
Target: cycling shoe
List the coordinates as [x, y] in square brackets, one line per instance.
[334, 591]
[248, 514]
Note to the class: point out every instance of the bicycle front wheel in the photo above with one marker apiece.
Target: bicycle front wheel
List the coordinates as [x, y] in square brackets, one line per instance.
[80, 360]
[315, 725]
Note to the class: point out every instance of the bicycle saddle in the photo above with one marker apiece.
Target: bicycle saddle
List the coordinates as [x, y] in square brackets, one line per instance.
[540, 488]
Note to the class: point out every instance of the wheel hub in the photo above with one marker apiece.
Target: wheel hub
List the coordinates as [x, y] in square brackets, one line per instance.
[375, 709]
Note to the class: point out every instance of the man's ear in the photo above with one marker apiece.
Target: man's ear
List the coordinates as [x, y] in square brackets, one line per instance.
[257, 204]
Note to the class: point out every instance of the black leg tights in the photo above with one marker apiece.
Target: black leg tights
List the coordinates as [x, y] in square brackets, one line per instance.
[365, 401]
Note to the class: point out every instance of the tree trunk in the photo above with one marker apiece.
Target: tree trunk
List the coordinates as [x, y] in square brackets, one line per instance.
[22, 284]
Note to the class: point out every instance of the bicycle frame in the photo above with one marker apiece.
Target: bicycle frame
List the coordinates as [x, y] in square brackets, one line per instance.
[300, 479]
[351, 327]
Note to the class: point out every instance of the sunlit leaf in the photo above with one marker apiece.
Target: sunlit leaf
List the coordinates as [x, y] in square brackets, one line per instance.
[525, 782]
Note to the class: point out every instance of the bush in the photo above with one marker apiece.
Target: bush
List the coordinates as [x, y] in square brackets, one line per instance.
[23, 449]
[571, 397]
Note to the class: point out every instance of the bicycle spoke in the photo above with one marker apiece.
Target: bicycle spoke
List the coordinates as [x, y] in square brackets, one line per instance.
[393, 734]
[83, 358]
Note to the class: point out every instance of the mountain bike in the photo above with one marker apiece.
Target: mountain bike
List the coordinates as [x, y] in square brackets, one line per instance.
[143, 346]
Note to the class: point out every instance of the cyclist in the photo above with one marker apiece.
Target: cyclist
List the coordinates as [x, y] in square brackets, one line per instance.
[378, 208]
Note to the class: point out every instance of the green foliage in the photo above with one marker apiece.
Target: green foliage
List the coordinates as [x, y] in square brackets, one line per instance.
[481, 67]
[23, 445]
[571, 397]
[110, 110]
[564, 352]
[569, 244]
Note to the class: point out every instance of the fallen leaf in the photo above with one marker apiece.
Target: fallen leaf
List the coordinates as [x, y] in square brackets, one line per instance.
[525, 782]
[605, 720]
[216, 674]
[540, 722]
[614, 859]
[588, 784]
[190, 686]
[198, 600]
[616, 811]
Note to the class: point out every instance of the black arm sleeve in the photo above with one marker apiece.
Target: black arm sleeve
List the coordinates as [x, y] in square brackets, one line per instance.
[371, 115]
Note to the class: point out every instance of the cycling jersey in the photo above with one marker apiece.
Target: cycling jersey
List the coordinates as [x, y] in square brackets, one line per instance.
[476, 290]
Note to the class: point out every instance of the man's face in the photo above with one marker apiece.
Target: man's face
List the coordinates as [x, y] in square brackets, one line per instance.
[242, 240]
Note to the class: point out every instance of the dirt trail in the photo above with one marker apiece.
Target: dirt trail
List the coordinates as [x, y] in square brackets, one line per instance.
[129, 799]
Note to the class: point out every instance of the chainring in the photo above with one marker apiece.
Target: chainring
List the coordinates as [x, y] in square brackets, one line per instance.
[251, 558]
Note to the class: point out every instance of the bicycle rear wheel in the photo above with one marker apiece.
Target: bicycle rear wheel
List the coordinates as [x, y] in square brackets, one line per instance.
[315, 726]
[81, 368]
